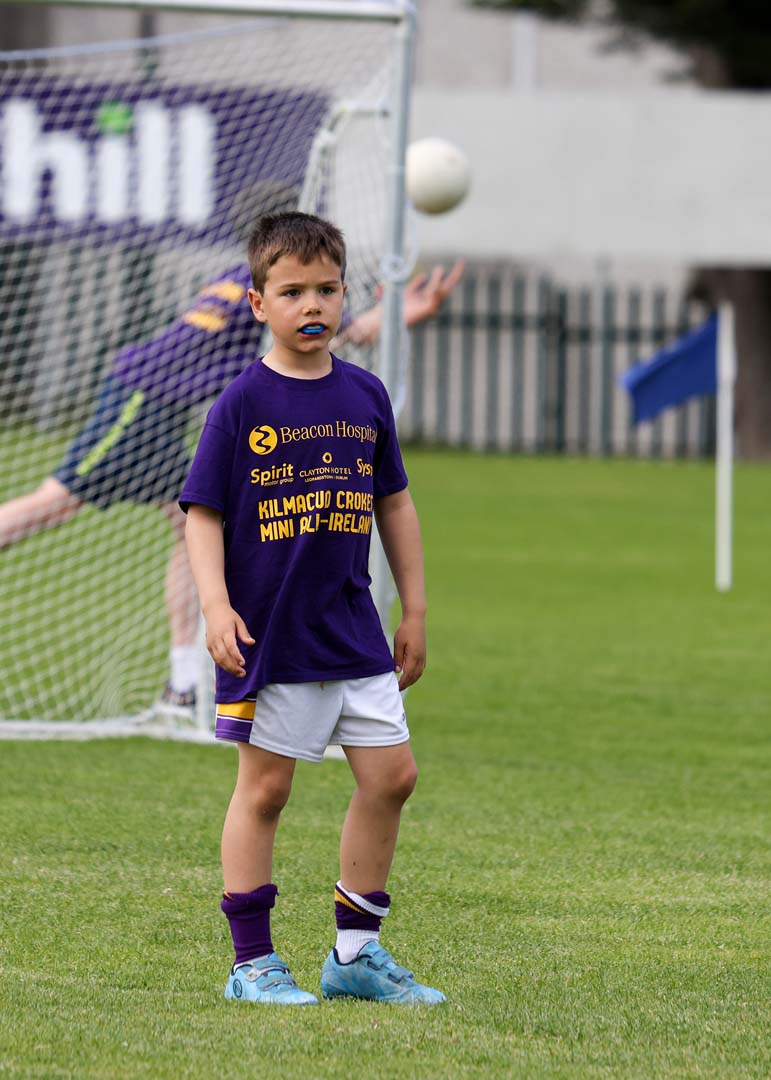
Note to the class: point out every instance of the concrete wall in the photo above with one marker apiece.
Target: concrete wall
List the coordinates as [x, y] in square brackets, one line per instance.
[685, 177]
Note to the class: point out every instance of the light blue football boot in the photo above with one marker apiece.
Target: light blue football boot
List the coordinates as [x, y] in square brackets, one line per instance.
[268, 980]
[375, 976]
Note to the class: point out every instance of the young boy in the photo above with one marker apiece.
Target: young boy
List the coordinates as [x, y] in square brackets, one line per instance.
[133, 448]
[296, 456]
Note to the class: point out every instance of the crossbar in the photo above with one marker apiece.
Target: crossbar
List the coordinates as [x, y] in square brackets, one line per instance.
[394, 11]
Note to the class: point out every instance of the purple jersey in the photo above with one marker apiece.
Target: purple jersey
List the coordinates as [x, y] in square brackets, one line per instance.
[294, 467]
[202, 350]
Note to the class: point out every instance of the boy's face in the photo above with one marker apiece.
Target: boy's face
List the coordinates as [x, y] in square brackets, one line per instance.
[302, 303]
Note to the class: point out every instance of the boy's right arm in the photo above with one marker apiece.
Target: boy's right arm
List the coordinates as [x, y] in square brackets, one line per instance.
[224, 626]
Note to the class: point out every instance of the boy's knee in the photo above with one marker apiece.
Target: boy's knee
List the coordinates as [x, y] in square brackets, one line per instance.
[402, 782]
[271, 795]
[410, 779]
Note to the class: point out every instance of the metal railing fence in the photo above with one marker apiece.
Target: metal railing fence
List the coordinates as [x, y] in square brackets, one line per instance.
[522, 363]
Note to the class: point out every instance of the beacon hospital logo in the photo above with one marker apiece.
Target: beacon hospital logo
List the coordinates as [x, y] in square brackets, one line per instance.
[146, 162]
[263, 440]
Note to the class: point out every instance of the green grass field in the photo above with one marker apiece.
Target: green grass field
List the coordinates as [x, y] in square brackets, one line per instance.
[585, 868]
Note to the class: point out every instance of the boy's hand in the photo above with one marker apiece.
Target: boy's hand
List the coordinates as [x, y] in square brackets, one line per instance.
[410, 650]
[224, 629]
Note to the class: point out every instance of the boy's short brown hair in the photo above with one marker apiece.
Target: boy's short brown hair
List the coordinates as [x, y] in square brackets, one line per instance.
[302, 235]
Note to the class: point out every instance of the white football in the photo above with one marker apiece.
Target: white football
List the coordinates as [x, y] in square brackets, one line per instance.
[437, 176]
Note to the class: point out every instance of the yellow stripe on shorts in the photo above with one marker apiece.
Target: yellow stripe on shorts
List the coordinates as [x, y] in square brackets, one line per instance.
[106, 443]
[238, 710]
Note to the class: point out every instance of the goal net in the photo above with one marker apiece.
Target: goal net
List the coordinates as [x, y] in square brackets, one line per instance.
[130, 172]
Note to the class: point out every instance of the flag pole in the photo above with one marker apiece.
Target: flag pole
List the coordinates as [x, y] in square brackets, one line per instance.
[724, 451]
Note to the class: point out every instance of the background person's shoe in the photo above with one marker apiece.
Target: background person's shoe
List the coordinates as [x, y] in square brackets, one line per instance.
[267, 980]
[172, 703]
[375, 976]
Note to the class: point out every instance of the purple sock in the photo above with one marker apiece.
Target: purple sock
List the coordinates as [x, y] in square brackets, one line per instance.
[351, 914]
[249, 918]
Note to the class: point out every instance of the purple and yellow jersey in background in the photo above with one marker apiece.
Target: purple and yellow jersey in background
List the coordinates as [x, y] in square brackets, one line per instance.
[200, 352]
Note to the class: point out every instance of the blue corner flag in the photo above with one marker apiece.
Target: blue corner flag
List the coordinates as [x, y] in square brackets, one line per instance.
[686, 368]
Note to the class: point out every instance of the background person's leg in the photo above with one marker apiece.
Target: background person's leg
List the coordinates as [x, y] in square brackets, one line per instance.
[183, 614]
[181, 596]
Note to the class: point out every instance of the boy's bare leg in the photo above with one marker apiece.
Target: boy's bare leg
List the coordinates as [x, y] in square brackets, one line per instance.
[358, 966]
[262, 790]
[385, 778]
[181, 595]
[48, 505]
[261, 793]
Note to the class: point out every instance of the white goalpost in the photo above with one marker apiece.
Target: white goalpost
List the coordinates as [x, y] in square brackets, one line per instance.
[130, 171]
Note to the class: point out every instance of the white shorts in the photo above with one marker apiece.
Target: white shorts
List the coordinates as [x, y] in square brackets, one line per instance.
[299, 720]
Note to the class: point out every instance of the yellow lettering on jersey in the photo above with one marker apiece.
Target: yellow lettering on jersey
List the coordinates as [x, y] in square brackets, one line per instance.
[300, 504]
[364, 433]
[315, 431]
[277, 530]
[350, 523]
[354, 500]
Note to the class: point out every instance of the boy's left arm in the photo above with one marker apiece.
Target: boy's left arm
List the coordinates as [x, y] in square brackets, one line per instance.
[397, 524]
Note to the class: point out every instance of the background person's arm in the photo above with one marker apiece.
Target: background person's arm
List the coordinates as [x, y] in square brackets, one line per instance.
[423, 297]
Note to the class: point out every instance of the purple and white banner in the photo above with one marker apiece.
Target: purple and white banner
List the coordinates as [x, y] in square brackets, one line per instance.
[144, 159]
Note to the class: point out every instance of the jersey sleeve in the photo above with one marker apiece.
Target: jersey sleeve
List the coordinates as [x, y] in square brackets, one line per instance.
[197, 355]
[389, 472]
[208, 481]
